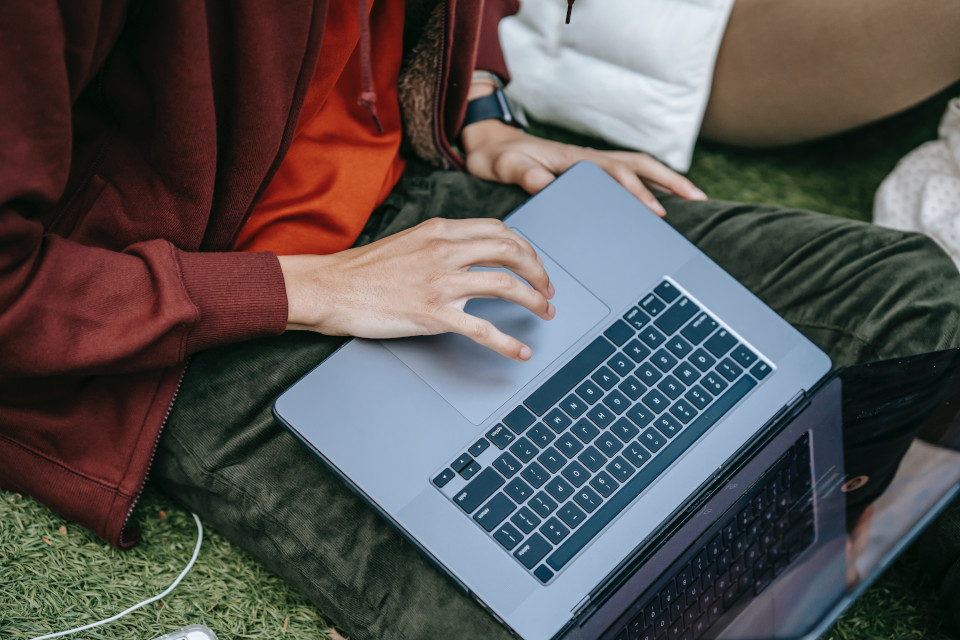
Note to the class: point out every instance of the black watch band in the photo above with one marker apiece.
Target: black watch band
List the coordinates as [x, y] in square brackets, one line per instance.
[493, 106]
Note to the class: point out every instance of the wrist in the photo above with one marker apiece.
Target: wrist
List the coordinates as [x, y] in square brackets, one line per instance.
[299, 276]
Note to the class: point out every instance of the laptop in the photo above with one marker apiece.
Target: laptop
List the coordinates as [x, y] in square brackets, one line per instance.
[552, 490]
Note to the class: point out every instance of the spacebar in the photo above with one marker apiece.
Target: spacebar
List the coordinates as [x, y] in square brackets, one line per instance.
[635, 486]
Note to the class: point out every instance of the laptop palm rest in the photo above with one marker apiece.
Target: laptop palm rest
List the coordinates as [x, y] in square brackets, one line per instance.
[477, 381]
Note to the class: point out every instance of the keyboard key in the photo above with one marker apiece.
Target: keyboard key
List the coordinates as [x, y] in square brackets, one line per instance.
[663, 360]
[640, 415]
[637, 351]
[478, 490]
[508, 536]
[542, 504]
[460, 463]
[585, 430]
[532, 551]
[478, 447]
[652, 304]
[652, 337]
[729, 369]
[744, 356]
[589, 392]
[573, 406]
[648, 374]
[687, 373]
[525, 520]
[518, 490]
[541, 435]
[653, 440]
[559, 489]
[655, 401]
[624, 429]
[604, 483]
[543, 573]
[677, 315]
[570, 375]
[701, 327]
[601, 416]
[636, 454]
[760, 370]
[616, 402]
[552, 459]
[713, 383]
[702, 360]
[568, 445]
[494, 512]
[500, 436]
[627, 493]
[445, 477]
[605, 378]
[571, 514]
[557, 420]
[587, 498]
[608, 444]
[507, 465]
[620, 469]
[683, 411]
[535, 475]
[632, 388]
[576, 473]
[671, 387]
[554, 531]
[619, 332]
[636, 318]
[666, 291]
[470, 470]
[518, 420]
[523, 449]
[592, 458]
[667, 425]
[620, 364]
[698, 397]
[720, 342]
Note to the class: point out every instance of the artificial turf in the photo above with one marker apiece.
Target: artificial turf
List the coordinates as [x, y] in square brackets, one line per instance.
[55, 575]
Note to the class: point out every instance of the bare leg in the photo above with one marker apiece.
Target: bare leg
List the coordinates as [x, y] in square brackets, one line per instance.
[793, 70]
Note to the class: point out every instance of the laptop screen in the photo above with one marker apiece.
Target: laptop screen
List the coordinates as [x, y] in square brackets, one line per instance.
[808, 521]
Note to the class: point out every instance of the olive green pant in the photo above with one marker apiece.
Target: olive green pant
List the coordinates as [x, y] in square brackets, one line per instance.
[860, 292]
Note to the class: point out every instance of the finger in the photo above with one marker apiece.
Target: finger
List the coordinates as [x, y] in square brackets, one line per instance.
[662, 176]
[626, 176]
[498, 284]
[485, 333]
[512, 253]
[514, 167]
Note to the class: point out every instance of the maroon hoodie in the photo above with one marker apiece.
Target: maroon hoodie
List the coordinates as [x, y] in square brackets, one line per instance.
[135, 139]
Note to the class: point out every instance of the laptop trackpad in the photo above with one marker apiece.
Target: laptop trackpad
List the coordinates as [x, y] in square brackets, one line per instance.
[478, 381]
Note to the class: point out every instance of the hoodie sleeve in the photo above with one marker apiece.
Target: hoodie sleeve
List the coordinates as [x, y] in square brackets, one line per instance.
[70, 308]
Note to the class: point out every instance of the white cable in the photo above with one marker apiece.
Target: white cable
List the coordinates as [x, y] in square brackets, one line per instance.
[183, 573]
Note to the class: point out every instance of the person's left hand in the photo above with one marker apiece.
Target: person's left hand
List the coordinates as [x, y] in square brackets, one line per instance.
[496, 151]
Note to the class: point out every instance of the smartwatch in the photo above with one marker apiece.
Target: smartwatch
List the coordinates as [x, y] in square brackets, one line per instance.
[494, 106]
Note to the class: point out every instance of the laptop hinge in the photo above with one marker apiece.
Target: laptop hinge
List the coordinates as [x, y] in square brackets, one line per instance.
[580, 606]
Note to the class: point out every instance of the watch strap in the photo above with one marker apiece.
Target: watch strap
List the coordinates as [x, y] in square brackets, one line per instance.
[492, 106]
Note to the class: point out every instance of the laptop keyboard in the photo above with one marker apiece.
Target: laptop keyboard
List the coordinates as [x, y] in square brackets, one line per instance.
[562, 465]
[754, 542]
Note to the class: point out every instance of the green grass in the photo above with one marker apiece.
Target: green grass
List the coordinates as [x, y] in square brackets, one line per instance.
[76, 579]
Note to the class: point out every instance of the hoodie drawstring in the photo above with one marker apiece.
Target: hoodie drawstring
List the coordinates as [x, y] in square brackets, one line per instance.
[569, 9]
[368, 97]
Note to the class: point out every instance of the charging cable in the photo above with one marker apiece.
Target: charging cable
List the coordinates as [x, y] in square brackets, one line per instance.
[183, 573]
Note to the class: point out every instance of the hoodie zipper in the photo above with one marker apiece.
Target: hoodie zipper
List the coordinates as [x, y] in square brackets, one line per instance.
[445, 149]
[153, 454]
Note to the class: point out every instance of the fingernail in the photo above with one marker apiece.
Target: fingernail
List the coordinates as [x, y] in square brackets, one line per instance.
[658, 209]
[697, 194]
[551, 290]
[525, 352]
[551, 310]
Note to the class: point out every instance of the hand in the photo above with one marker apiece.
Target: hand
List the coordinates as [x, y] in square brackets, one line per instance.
[417, 282]
[497, 151]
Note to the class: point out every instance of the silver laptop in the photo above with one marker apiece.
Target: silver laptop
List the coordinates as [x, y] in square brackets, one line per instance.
[539, 487]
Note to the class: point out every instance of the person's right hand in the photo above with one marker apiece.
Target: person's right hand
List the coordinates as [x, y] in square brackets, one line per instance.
[417, 282]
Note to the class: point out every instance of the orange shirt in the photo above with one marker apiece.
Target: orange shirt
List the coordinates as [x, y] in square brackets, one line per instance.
[338, 168]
